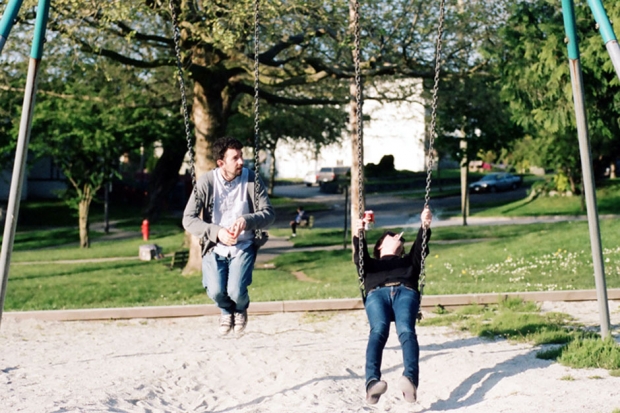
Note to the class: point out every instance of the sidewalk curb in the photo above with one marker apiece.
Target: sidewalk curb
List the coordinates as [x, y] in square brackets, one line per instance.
[346, 304]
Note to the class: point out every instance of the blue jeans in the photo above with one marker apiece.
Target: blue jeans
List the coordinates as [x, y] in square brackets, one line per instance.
[384, 305]
[227, 279]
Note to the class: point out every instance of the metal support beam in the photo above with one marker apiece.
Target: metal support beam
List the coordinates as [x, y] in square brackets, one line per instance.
[586, 164]
[8, 18]
[607, 33]
[464, 185]
[21, 154]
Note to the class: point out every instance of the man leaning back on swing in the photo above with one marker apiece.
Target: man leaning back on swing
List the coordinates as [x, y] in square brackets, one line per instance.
[391, 280]
[223, 212]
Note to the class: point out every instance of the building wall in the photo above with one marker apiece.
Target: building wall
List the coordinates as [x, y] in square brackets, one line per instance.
[395, 128]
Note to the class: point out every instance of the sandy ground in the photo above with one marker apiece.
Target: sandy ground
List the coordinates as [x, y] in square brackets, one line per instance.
[284, 363]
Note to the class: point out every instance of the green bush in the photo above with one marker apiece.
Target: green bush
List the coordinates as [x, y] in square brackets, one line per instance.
[384, 168]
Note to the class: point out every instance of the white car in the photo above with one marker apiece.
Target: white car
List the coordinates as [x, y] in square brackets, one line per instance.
[310, 178]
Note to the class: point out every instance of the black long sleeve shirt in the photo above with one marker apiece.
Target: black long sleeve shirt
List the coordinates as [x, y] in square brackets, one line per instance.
[392, 268]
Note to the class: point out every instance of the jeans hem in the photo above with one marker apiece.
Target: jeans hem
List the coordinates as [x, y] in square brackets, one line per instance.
[370, 381]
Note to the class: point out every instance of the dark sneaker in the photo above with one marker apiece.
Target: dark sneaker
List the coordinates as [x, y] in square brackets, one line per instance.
[408, 388]
[241, 320]
[374, 391]
[226, 324]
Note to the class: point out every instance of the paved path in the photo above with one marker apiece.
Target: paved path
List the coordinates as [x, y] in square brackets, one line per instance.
[280, 245]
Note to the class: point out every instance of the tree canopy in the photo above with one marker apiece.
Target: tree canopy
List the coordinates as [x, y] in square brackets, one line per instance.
[536, 84]
[89, 122]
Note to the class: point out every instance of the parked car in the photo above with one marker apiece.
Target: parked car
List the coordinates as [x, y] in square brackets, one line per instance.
[311, 178]
[332, 173]
[333, 179]
[496, 182]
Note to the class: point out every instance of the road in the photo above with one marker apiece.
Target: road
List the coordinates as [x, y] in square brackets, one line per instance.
[389, 210]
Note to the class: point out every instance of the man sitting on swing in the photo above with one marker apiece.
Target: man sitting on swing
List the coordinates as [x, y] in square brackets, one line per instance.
[391, 280]
[223, 213]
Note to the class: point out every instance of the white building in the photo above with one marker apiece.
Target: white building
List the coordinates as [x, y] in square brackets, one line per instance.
[396, 127]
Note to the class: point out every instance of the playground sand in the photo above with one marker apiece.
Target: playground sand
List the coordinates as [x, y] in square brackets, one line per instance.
[284, 363]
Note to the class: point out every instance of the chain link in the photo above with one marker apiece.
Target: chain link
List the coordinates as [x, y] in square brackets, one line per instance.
[431, 142]
[360, 142]
[181, 79]
[258, 233]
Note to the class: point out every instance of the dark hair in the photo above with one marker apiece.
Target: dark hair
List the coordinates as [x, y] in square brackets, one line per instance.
[220, 146]
[375, 252]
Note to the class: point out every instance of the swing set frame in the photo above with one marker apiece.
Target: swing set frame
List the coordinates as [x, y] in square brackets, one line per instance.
[11, 11]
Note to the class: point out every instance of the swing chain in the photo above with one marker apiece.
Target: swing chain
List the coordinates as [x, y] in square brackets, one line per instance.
[431, 142]
[258, 233]
[360, 141]
[181, 80]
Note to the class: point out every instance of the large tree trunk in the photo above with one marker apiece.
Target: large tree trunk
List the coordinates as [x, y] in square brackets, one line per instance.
[572, 181]
[210, 112]
[164, 178]
[83, 209]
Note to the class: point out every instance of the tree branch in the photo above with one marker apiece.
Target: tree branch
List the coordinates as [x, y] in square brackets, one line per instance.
[126, 30]
[273, 98]
[153, 105]
[268, 57]
[85, 47]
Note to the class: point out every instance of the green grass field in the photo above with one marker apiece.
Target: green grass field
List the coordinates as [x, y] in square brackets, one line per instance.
[472, 259]
[536, 257]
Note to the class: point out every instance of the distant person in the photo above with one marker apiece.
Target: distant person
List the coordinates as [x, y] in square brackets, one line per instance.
[391, 282]
[300, 218]
[223, 215]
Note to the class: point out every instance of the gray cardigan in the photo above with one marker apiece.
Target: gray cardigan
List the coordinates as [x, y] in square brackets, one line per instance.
[198, 216]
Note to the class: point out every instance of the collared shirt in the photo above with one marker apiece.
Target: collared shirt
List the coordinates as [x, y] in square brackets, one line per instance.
[230, 201]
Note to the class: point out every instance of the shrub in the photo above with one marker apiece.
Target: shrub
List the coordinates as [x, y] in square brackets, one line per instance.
[384, 168]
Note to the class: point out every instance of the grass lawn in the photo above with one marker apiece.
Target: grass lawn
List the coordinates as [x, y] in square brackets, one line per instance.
[536, 257]
[607, 194]
[98, 285]
[472, 259]
[547, 258]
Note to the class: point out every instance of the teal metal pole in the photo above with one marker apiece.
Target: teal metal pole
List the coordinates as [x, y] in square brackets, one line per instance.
[602, 20]
[43, 12]
[570, 29]
[607, 32]
[8, 18]
[21, 151]
[586, 164]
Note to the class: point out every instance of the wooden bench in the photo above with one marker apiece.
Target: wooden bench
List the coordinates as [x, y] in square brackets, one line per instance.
[179, 259]
[309, 223]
